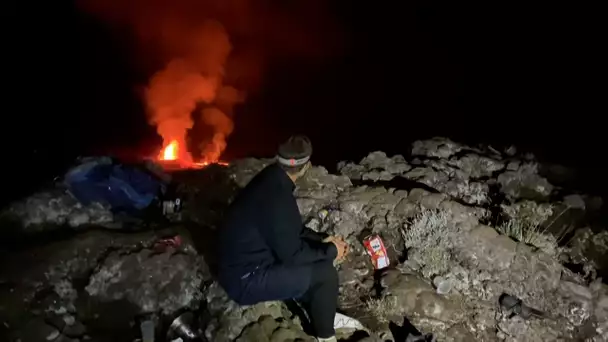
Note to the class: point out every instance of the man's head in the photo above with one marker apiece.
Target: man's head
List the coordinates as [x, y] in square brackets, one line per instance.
[294, 156]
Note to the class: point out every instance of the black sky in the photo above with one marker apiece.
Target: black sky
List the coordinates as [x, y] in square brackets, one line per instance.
[481, 73]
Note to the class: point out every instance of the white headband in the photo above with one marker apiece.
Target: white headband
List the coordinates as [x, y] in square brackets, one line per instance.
[292, 161]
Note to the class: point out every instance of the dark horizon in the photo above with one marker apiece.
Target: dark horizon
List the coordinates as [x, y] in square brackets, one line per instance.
[514, 75]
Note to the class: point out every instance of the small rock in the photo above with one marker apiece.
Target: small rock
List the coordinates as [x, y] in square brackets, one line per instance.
[253, 332]
[511, 150]
[417, 194]
[56, 321]
[347, 276]
[431, 305]
[386, 201]
[36, 330]
[282, 335]
[568, 288]
[475, 166]
[400, 193]
[344, 224]
[69, 319]
[436, 147]
[484, 233]
[313, 224]
[351, 170]
[406, 209]
[459, 333]
[489, 250]
[432, 201]
[513, 165]
[268, 324]
[376, 160]
[574, 201]
[368, 283]
[525, 183]
[77, 329]
[444, 286]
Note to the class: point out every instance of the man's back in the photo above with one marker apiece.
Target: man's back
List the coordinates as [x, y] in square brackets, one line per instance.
[266, 253]
[242, 246]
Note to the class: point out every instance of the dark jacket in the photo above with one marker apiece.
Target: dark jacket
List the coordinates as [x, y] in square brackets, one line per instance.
[263, 227]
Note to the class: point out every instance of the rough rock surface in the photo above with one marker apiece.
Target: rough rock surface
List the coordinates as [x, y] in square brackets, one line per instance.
[100, 273]
[462, 226]
[462, 172]
[265, 321]
[456, 267]
[56, 208]
[153, 281]
[590, 250]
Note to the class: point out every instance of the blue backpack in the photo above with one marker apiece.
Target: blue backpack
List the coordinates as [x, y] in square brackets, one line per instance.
[122, 187]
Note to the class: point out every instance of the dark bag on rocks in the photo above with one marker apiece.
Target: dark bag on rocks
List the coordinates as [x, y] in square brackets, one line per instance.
[124, 188]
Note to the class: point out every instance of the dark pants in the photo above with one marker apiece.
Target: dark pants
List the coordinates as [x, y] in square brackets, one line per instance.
[315, 286]
[321, 299]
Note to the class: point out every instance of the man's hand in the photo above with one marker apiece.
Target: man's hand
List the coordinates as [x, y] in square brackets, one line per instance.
[341, 246]
[330, 238]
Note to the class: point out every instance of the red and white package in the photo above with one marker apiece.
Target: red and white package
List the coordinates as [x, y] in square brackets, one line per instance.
[377, 252]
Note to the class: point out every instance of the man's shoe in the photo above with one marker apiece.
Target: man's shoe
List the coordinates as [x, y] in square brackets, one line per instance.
[329, 339]
[344, 322]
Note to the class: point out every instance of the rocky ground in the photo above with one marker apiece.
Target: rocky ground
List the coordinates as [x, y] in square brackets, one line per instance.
[463, 226]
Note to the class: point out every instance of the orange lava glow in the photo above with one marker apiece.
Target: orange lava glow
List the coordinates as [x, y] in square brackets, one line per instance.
[170, 151]
[174, 157]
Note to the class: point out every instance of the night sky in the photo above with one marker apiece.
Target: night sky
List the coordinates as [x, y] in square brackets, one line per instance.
[393, 73]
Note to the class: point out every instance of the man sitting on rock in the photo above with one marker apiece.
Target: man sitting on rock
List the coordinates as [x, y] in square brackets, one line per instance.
[265, 252]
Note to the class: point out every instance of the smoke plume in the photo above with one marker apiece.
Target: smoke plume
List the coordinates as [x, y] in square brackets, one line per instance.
[174, 93]
[199, 72]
